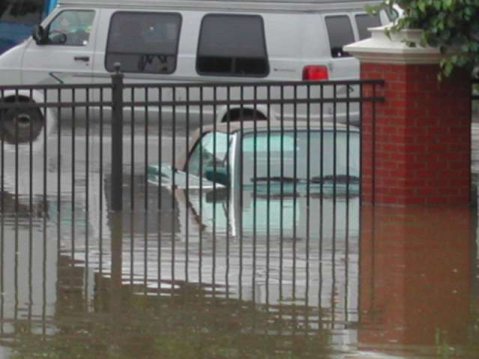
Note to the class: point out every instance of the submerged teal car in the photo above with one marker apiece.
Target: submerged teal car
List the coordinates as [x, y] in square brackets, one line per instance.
[269, 158]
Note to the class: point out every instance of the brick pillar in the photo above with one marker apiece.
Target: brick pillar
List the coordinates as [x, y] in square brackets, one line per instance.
[416, 145]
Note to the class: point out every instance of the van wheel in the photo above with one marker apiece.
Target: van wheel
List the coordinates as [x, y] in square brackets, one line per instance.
[28, 121]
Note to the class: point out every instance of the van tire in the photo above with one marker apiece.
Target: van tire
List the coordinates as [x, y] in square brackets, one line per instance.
[28, 121]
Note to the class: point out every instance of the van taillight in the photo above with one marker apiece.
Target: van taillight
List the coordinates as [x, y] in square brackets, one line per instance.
[315, 73]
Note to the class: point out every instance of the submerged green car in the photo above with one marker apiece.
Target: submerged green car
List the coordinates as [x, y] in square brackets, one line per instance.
[268, 157]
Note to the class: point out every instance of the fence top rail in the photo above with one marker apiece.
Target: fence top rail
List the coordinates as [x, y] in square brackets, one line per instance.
[103, 86]
[252, 84]
[232, 5]
[198, 85]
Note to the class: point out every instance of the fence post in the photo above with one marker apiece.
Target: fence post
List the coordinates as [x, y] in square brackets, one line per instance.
[117, 140]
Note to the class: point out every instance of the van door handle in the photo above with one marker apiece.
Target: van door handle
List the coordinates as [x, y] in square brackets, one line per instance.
[82, 58]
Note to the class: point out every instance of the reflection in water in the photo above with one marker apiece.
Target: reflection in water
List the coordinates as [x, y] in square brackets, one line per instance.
[211, 275]
[28, 267]
[417, 270]
[204, 287]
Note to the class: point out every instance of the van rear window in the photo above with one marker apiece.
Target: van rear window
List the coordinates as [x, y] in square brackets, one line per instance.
[232, 45]
[364, 22]
[340, 34]
[143, 42]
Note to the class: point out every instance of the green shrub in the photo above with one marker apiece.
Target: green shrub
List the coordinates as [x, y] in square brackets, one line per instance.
[452, 26]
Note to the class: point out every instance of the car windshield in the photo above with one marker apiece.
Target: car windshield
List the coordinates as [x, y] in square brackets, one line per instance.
[292, 157]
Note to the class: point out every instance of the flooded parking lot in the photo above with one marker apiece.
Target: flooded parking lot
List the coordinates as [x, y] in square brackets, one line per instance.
[204, 274]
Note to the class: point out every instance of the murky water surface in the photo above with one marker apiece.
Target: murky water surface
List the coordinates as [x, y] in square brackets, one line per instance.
[243, 275]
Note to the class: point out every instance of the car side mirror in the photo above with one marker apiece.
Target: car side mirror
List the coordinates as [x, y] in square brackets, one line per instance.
[39, 35]
[218, 174]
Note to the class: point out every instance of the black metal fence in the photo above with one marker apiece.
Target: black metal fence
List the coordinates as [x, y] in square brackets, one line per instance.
[121, 129]
[242, 191]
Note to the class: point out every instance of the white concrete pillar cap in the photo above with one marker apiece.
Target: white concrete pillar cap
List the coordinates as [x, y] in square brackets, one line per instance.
[383, 49]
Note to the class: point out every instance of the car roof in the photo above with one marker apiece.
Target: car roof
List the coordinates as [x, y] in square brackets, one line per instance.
[264, 125]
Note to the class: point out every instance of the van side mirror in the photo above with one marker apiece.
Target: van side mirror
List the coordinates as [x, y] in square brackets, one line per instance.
[39, 35]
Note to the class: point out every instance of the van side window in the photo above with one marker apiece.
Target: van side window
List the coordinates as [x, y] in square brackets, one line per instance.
[70, 28]
[340, 34]
[365, 21]
[143, 42]
[232, 45]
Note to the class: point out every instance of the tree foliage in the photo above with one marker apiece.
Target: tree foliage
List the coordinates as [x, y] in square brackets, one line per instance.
[452, 26]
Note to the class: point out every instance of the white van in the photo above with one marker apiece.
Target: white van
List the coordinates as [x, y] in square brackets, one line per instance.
[184, 41]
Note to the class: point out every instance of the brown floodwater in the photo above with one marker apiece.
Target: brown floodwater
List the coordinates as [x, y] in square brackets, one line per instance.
[208, 276]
